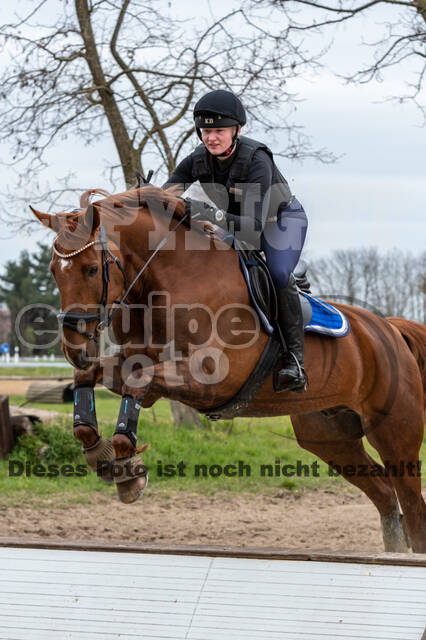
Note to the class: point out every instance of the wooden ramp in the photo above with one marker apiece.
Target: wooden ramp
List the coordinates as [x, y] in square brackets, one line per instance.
[78, 591]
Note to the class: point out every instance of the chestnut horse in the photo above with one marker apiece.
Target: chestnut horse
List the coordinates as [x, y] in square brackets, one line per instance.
[367, 383]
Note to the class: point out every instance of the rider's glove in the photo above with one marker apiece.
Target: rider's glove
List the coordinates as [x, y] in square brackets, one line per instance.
[202, 211]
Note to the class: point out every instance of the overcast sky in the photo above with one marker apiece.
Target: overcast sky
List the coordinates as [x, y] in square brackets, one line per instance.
[373, 196]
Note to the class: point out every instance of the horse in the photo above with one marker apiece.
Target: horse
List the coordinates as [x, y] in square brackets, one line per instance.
[367, 383]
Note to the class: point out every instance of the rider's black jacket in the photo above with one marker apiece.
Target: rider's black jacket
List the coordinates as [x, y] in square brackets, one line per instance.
[247, 185]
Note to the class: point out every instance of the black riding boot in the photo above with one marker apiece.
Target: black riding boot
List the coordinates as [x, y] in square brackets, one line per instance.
[292, 375]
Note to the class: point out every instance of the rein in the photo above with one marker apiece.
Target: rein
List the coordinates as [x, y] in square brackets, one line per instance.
[71, 319]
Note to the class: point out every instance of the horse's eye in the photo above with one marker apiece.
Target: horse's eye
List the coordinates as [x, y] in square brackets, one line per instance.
[92, 271]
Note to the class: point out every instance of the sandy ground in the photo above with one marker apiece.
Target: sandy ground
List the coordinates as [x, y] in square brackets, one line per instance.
[19, 386]
[320, 519]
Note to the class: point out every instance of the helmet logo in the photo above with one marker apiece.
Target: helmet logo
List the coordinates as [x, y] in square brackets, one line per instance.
[208, 120]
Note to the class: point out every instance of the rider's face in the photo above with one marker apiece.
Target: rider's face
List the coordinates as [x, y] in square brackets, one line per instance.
[217, 141]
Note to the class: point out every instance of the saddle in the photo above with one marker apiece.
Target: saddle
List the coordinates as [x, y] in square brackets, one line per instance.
[262, 288]
[264, 298]
[318, 316]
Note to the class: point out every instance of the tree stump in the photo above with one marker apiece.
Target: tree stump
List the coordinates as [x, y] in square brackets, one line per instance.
[7, 435]
[50, 391]
[21, 425]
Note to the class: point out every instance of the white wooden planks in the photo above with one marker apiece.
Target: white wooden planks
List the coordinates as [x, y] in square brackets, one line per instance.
[76, 595]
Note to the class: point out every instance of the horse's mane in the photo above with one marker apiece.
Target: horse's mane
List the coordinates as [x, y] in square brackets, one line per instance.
[119, 206]
[113, 209]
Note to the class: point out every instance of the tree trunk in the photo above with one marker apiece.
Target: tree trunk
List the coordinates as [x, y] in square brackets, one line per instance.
[183, 414]
[118, 128]
[421, 8]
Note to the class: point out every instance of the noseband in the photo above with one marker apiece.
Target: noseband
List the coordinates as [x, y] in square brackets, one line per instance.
[72, 319]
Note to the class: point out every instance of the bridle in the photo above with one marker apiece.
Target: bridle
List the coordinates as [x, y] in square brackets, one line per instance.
[71, 319]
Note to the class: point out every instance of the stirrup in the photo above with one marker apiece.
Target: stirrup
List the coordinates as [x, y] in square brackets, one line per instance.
[296, 383]
[298, 365]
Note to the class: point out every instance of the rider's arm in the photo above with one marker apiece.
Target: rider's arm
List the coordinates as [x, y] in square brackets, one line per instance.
[182, 175]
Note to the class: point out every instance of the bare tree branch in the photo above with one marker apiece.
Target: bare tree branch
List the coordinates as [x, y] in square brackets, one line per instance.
[403, 38]
[126, 70]
[391, 284]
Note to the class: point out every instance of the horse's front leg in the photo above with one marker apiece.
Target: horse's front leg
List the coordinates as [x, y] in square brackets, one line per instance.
[98, 451]
[171, 379]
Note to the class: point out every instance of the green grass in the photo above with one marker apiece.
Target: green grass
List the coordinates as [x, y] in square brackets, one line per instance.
[254, 442]
[38, 372]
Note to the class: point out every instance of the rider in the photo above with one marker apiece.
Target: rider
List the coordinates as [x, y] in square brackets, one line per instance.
[255, 203]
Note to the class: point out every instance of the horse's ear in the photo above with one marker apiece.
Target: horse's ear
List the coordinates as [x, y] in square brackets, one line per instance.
[49, 221]
[85, 197]
[92, 217]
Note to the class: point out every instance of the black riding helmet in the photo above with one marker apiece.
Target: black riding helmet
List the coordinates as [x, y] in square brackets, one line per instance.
[218, 109]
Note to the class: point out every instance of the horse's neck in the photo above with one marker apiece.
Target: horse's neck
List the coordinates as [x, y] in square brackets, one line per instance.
[187, 257]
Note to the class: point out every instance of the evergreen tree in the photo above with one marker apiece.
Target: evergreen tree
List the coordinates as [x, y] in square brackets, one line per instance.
[30, 292]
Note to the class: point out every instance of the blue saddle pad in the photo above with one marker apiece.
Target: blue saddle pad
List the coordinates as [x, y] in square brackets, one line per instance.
[323, 317]
[326, 319]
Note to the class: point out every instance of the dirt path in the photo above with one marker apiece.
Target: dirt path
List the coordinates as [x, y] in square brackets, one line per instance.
[321, 519]
[18, 385]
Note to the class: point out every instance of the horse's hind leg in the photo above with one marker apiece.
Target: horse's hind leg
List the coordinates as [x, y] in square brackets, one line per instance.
[397, 438]
[336, 438]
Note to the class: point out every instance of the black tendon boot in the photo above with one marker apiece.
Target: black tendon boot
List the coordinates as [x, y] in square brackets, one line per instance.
[291, 376]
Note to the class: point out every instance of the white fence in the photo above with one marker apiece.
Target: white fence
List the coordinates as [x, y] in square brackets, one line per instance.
[51, 594]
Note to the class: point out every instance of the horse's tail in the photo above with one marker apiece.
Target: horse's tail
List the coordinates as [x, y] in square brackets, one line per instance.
[414, 335]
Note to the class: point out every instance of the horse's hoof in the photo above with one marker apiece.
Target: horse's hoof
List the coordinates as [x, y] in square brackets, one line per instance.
[131, 478]
[131, 490]
[395, 536]
[100, 458]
